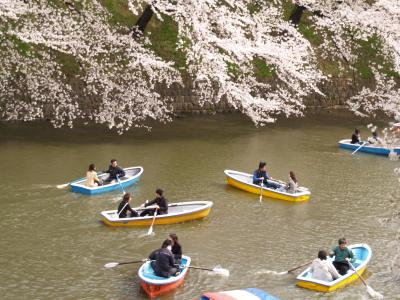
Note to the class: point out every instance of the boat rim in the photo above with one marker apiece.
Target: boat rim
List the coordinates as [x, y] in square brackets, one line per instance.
[168, 280]
[371, 146]
[341, 278]
[78, 182]
[300, 193]
[205, 205]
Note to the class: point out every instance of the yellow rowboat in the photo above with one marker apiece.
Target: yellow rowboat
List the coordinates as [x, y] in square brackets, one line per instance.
[177, 213]
[244, 181]
[362, 253]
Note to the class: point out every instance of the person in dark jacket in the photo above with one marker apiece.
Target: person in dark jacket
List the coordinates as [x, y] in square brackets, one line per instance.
[356, 137]
[176, 247]
[163, 262]
[124, 207]
[114, 171]
[261, 176]
[160, 202]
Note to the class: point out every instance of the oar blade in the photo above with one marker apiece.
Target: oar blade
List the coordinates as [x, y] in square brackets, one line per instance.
[373, 293]
[62, 186]
[111, 265]
[221, 271]
[150, 232]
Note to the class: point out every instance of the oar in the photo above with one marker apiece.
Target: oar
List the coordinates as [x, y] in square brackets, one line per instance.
[359, 148]
[121, 185]
[288, 271]
[261, 191]
[114, 264]
[152, 223]
[216, 270]
[63, 186]
[370, 290]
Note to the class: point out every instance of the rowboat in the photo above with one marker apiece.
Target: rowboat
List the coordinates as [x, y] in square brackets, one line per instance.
[368, 148]
[362, 253]
[177, 213]
[244, 181]
[132, 175]
[250, 293]
[155, 286]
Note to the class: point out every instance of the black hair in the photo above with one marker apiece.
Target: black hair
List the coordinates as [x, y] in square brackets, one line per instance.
[262, 164]
[92, 167]
[342, 241]
[166, 243]
[322, 254]
[113, 160]
[356, 131]
[159, 192]
[126, 197]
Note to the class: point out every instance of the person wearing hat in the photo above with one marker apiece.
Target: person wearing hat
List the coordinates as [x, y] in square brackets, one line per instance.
[160, 202]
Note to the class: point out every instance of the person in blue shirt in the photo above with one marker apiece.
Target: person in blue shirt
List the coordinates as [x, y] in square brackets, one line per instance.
[261, 176]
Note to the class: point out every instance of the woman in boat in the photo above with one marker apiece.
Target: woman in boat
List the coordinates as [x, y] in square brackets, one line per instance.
[356, 137]
[342, 255]
[114, 171]
[160, 202]
[124, 207]
[260, 176]
[176, 247]
[292, 184]
[323, 269]
[375, 139]
[163, 262]
[91, 177]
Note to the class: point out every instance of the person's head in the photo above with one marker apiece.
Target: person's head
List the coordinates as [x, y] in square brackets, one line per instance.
[293, 176]
[356, 131]
[167, 244]
[262, 165]
[322, 254]
[375, 134]
[127, 197]
[159, 192]
[174, 238]
[342, 243]
[114, 162]
[92, 167]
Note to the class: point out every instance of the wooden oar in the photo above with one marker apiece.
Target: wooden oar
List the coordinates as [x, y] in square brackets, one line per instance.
[152, 223]
[370, 290]
[216, 270]
[119, 182]
[63, 186]
[114, 264]
[261, 191]
[359, 148]
[288, 271]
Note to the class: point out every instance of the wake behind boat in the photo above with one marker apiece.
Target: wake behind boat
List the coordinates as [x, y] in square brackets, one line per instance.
[362, 253]
[367, 148]
[244, 181]
[177, 213]
[132, 175]
[155, 286]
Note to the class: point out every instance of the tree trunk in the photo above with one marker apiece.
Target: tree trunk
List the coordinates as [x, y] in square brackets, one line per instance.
[296, 15]
[143, 21]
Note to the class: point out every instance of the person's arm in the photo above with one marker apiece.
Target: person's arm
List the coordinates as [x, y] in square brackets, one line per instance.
[332, 253]
[128, 207]
[352, 256]
[178, 253]
[171, 261]
[152, 255]
[255, 178]
[107, 171]
[154, 201]
[121, 172]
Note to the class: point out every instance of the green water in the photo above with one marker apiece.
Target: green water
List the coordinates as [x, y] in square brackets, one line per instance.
[53, 245]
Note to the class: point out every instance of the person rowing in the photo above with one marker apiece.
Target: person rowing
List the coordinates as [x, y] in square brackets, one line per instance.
[114, 171]
[160, 202]
[342, 255]
[163, 262]
[124, 207]
[260, 176]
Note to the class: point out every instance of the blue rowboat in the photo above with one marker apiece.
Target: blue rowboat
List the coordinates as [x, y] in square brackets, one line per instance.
[132, 175]
[155, 286]
[250, 293]
[368, 148]
[362, 253]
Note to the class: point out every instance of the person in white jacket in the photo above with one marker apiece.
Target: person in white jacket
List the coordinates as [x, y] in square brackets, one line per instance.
[323, 269]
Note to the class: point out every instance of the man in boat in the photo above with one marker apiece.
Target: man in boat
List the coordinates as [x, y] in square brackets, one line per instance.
[356, 137]
[160, 202]
[260, 176]
[163, 262]
[124, 207]
[342, 255]
[114, 171]
[323, 269]
[375, 139]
